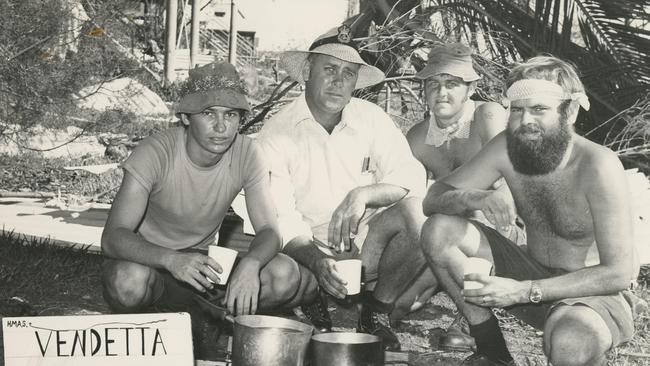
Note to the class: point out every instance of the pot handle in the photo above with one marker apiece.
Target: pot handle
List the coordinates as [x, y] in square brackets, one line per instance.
[215, 311]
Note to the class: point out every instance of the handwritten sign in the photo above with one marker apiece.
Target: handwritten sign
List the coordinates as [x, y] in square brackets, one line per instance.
[99, 340]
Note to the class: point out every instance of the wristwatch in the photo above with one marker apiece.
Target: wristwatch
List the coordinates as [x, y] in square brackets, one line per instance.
[535, 294]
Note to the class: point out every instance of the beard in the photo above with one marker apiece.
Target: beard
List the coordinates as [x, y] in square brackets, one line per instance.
[540, 156]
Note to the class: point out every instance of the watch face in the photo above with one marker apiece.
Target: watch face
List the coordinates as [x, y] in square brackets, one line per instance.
[535, 295]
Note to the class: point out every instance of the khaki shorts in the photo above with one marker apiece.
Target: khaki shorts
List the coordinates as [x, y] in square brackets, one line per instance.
[516, 233]
[513, 261]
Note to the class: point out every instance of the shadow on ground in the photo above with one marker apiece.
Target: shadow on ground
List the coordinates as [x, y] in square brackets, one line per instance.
[40, 279]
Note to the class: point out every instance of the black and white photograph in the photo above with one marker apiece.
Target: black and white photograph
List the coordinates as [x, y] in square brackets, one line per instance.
[325, 182]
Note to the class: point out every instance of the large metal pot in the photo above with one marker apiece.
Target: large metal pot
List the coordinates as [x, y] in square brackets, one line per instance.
[260, 340]
[346, 349]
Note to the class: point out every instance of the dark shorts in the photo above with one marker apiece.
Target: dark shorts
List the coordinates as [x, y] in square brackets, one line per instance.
[512, 261]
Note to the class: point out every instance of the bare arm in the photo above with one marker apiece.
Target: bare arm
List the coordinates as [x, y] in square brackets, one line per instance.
[345, 219]
[415, 139]
[242, 295]
[491, 119]
[607, 195]
[381, 194]
[606, 192]
[305, 252]
[446, 199]
[261, 210]
[468, 187]
[119, 240]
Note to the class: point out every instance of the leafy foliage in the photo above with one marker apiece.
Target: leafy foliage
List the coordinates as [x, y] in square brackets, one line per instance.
[609, 41]
[40, 71]
[130, 125]
[31, 172]
[609, 50]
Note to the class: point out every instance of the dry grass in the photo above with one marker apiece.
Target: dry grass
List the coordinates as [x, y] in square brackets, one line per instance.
[637, 351]
[55, 281]
[52, 279]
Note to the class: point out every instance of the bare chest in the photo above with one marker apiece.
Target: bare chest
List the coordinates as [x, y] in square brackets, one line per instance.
[554, 208]
[444, 159]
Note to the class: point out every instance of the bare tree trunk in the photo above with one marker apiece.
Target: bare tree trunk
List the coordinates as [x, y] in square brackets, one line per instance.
[170, 41]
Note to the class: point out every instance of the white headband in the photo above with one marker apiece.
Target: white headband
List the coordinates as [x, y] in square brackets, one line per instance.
[533, 88]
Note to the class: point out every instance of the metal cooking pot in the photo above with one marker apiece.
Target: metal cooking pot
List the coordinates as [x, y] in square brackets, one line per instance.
[260, 340]
[346, 349]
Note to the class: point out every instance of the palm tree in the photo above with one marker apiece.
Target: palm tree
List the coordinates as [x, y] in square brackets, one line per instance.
[608, 40]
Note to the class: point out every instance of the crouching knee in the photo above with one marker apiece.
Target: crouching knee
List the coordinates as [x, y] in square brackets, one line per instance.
[280, 279]
[576, 339]
[126, 285]
[439, 233]
[566, 350]
[410, 208]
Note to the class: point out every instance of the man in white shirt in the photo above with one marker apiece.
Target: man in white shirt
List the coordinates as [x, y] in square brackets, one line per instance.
[345, 183]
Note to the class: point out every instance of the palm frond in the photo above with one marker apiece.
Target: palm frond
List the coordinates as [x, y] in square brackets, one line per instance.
[608, 40]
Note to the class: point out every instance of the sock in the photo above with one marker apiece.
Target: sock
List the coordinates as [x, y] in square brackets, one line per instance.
[490, 341]
[371, 301]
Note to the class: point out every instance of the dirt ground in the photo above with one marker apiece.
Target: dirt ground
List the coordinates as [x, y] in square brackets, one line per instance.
[42, 280]
[418, 333]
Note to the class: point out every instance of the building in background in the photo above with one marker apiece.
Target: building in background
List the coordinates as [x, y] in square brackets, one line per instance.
[214, 33]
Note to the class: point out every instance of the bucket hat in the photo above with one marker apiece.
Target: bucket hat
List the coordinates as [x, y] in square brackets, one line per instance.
[214, 84]
[338, 43]
[454, 59]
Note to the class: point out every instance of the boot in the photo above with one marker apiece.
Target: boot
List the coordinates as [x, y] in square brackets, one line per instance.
[375, 322]
[318, 314]
[457, 337]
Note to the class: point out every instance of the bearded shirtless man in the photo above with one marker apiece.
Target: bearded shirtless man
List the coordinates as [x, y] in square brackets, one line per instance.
[572, 195]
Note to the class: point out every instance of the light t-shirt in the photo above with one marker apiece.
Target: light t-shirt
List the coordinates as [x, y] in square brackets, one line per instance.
[187, 203]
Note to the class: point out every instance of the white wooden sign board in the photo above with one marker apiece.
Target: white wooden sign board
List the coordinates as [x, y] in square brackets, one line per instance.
[99, 340]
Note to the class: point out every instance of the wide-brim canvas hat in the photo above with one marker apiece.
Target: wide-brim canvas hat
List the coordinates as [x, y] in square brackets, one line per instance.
[337, 43]
[214, 84]
[453, 59]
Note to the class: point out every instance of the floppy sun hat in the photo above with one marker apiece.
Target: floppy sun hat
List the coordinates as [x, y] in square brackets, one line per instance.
[454, 59]
[338, 43]
[214, 84]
